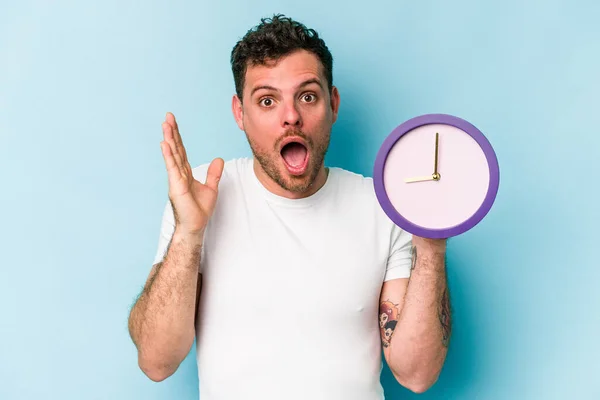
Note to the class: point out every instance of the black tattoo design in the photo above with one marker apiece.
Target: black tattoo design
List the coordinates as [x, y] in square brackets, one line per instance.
[444, 316]
[413, 252]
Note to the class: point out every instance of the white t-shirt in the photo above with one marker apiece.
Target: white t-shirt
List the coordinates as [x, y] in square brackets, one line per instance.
[290, 294]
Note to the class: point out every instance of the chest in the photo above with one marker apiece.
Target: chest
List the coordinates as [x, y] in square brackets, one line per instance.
[296, 266]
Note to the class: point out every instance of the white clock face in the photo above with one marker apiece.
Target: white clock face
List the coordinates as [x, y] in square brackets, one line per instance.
[464, 176]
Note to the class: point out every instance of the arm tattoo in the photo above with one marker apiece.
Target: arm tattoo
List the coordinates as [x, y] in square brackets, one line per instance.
[388, 318]
[444, 316]
[413, 252]
[389, 314]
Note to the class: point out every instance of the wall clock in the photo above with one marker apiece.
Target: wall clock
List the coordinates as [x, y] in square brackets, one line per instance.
[436, 176]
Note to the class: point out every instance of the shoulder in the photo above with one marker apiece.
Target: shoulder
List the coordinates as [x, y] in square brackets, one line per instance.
[358, 191]
[354, 183]
[233, 170]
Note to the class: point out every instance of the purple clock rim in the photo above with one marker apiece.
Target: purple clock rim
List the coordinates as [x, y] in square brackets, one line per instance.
[408, 126]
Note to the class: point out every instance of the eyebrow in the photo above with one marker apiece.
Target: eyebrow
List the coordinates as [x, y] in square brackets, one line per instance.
[303, 84]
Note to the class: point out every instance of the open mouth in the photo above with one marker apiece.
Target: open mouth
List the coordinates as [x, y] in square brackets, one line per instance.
[295, 157]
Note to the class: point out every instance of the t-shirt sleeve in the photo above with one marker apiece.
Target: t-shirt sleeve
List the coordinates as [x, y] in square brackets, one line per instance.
[399, 259]
[167, 227]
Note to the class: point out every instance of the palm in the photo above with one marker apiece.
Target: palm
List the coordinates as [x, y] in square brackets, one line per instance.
[205, 198]
[193, 201]
[204, 195]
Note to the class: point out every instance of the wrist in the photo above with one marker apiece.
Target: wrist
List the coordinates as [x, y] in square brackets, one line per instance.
[187, 237]
[429, 246]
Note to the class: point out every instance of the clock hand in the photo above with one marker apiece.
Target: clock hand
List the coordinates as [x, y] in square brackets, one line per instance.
[436, 175]
[419, 179]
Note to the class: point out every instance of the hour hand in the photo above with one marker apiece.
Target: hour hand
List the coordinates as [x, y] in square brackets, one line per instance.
[420, 179]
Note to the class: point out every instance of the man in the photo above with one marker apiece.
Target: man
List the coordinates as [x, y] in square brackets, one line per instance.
[287, 273]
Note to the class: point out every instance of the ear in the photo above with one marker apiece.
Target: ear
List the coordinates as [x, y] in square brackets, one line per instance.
[335, 103]
[238, 111]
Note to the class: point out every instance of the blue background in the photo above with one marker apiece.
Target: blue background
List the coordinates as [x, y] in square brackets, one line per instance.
[84, 87]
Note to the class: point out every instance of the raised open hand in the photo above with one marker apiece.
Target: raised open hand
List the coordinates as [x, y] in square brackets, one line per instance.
[193, 202]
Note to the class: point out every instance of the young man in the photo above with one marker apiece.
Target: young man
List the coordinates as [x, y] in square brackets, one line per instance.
[287, 273]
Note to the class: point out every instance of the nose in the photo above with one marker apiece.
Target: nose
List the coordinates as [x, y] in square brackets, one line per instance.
[291, 116]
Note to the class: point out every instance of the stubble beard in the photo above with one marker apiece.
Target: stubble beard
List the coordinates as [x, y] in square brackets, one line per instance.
[270, 162]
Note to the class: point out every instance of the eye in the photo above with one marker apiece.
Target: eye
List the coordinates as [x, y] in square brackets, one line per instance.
[309, 98]
[266, 101]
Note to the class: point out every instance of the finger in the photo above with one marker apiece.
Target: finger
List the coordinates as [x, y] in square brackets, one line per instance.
[180, 149]
[168, 134]
[177, 136]
[168, 156]
[173, 173]
[214, 173]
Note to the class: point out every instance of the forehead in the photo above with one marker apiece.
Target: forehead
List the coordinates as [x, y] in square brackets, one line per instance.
[285, 73]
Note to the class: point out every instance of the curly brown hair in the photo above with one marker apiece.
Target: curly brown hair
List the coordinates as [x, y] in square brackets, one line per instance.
[272, 39]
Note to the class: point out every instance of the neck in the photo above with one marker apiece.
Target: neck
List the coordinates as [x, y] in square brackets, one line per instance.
[276, 189]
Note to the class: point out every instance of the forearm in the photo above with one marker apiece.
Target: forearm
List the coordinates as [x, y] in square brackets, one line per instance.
[419, 344]
[161, 323]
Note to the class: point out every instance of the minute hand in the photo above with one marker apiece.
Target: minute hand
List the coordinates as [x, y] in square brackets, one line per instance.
[436, 175]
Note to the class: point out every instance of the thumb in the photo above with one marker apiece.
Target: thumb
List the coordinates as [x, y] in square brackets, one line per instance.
[213, 175]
